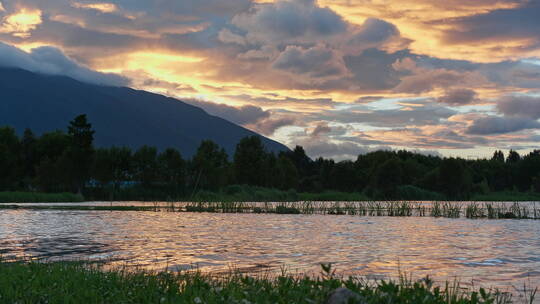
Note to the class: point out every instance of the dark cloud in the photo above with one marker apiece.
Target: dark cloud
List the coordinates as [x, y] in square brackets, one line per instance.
[316, 62]
[513, 23]
[373, 69]
[501, 125]
[421, 80]
[524, 106]
[374, 31]
[321, 128]
[428, 114]
[289, 19]
[240, 115]
[458, 97]
[270, 125]
[49, 60]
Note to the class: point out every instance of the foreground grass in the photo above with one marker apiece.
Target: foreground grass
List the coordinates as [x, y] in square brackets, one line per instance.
[33, 197]
[69, 282]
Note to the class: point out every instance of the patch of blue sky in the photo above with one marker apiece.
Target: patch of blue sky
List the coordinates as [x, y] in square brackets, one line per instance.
[535, 61]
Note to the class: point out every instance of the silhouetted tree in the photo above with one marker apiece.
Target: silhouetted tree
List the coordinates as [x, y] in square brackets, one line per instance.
[145, 166]
[9, 159]
[81, 150]
[498, 156]
[210, 165]
[249, 161]
[513, 157]
[172, 169]
[454, 178]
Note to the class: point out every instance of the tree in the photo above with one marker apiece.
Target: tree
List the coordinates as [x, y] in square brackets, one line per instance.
[172, 169]
[210, 165]
[498, 156]
[29, 154]
[387, 178]
[81, 150]
[287, 174]
[9, 159]
[513, 157]
[249, 161]
[145, 165]
[47, 176]
[112, 167]
[454, 179]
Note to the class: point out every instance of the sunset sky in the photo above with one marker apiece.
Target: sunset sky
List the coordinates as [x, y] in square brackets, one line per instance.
[339, 77]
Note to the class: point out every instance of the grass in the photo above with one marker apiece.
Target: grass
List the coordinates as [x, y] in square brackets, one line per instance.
[76, 282]
[36, 197]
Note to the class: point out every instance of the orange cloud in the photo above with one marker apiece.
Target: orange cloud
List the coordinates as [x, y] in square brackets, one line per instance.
[21, 23]
[101, 7]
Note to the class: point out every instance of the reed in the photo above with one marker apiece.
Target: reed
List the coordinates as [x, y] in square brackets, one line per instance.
[470, 210]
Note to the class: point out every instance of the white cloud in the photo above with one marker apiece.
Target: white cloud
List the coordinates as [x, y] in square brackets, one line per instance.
[50, 60]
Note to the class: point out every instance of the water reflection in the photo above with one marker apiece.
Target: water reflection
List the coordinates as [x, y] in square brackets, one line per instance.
[495, 253]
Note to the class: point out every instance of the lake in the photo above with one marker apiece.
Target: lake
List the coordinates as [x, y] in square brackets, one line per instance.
[491, 253]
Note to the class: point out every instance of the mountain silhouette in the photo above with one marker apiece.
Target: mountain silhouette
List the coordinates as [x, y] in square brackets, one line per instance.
[121, 116]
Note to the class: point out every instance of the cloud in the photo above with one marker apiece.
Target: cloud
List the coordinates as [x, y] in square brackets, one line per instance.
[420, 115]
[100, 7]
[2, 9]
[521, 22]
[321, 128]
[251, 117]
[458, 97]
[49, 60]
[375, 33]
[226, 36]
[317, 61]
[522, 106]
[240, 115]
[21, 23]
[287, 20]
[270, 125]
[501, 125]
[373, 69]
[338, 151]
[420, 79]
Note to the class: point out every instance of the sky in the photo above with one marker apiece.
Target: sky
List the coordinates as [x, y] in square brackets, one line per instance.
[338, 77]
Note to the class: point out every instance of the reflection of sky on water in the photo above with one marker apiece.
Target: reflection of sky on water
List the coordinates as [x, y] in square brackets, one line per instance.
[492, 252]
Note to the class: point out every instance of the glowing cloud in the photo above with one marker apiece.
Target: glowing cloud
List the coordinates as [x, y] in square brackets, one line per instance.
[21, 23]
[2, 9]
[102, 7]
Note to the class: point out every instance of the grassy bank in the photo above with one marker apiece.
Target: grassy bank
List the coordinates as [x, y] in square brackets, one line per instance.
[67, 282]
[33, 197]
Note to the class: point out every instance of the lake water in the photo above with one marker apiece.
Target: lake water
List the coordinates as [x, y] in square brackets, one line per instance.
[490, 253]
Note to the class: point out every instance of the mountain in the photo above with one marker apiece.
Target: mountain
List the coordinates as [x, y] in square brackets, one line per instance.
[121, 116]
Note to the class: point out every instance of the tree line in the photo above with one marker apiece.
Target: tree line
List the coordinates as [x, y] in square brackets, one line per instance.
[68, 162]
